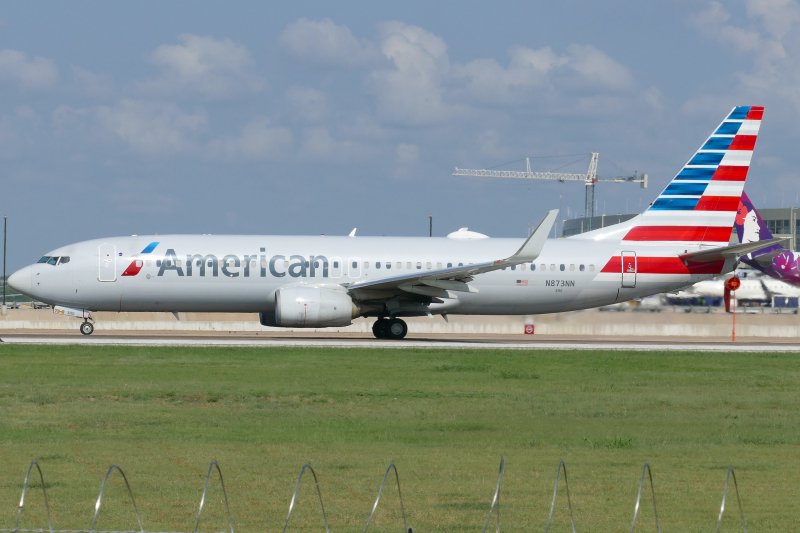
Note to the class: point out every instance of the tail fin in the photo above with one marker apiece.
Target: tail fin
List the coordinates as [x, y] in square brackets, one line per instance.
[699, 205]
[774, 260]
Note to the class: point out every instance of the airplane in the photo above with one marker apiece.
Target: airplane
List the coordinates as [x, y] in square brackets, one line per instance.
[773, 259]
[325, 281]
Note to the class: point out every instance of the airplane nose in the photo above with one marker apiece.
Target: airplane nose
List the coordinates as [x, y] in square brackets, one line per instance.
[20, 280]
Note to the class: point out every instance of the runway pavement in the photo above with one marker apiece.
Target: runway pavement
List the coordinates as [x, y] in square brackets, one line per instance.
[448, 341]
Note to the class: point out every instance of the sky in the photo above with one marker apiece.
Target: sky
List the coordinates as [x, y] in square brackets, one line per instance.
[317, 117]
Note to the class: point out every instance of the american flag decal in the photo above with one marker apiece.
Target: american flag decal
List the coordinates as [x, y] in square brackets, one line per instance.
[522, 283]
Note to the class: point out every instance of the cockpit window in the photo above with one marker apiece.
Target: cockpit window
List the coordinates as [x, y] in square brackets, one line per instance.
[52, 261]
[64, 259]
[44, 259]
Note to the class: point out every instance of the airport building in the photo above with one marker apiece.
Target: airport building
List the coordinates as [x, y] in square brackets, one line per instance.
[782, 222]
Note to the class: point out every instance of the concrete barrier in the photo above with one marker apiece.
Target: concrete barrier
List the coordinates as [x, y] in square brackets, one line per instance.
[591, 323]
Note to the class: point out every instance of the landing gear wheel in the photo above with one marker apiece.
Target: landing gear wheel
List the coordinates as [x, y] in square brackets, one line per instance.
[396, 329]
[87, 328]
[379, 328]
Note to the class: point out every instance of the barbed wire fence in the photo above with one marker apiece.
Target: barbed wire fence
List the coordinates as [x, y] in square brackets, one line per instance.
[494, 508]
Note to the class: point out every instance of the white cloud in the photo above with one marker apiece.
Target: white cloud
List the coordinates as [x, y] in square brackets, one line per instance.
[319, 143]
[212, 68]
[595, 67]
[654, 97]
[92, 84]
[310, 104]
[412, 92]
[258, 140]
[542, 70]
[407, 153]
[327, 43]
[770, 36]
[36, 73]
[152, 128]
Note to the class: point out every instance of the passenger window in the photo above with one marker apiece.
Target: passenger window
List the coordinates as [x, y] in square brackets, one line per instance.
[263, 263]
[336, 264]
[325, 264]
[139, 263]
[285, 264]
[211, 263]
[408, 265]
[253, 263]
[582, 268]
[461, 264]
[552, 266]
[198, 263]
[158, 262]
[149, 263]
[571, 268]
[561, 267]
[316, 264]
[231, 263]
[178, 263]
[543, 266]
[449, 265]
[366, 264]
[65, 259]
[377, 264]
[428, 265]
[419, 265]
[513, 267]
[399, 264]
[169, 263]
[522, 266]
[438, 265]
[355, 264]
[591, 268]
[44, 259]
[52, 261]
[305, 264]
[388, 264]
[533, 267]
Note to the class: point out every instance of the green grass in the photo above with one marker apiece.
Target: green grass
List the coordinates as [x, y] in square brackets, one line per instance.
[444, 417]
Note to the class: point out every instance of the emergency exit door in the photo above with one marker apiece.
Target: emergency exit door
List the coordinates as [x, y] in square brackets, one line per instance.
[629, 269]
[107, 254]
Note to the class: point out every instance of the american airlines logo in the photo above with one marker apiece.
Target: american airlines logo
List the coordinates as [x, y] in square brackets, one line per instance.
[233, 266]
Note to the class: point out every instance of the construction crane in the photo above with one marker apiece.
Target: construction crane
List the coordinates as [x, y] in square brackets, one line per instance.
[590, 178]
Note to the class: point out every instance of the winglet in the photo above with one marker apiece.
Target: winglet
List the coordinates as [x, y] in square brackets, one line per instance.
[726, 252]
[353, 233]
[533, 246]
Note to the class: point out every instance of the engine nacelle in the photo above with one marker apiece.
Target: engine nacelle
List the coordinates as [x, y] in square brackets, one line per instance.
[311, 307]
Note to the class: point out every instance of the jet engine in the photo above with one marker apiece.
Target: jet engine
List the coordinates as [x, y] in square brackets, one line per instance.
[312, 307]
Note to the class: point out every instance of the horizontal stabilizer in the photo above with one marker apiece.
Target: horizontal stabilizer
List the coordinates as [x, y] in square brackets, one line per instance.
[726, 252]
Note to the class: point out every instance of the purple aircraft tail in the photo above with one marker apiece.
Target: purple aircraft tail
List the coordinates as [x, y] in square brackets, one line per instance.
[775, 261]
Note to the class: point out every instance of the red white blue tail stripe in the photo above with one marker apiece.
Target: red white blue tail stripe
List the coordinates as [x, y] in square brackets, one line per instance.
[700, 203]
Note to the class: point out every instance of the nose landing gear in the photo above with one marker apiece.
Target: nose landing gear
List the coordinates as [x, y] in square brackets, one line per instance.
[87, 328]
[393, 329]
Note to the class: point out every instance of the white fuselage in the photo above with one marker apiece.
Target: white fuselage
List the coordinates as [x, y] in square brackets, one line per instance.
[241, 273]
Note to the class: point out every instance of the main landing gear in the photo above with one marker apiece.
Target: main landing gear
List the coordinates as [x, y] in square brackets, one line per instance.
[393, 329]
[87, 328]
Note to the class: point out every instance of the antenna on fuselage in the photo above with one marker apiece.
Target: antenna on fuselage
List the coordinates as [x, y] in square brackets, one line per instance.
[353, 233]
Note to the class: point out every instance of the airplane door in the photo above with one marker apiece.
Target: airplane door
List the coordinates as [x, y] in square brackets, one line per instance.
[108, 262]
[629, 269]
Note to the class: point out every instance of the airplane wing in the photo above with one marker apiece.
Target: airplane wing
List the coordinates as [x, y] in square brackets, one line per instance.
[436, 283]
[726, 252]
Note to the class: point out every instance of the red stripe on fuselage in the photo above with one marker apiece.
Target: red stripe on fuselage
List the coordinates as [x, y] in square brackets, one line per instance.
[743, 142]
[729, 173]
[718, 203]
[664, 265]
[680, 233]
